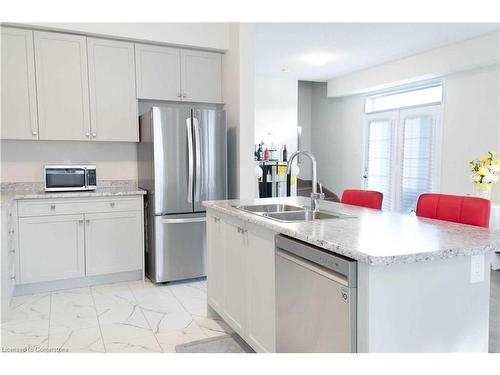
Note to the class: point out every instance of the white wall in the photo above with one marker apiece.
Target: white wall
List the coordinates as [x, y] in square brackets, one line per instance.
[471, 127]
[304, 115]
[337, 139]
[197, 34]
[276, 111]
[458, 57]
[23, 161]
[238, 91]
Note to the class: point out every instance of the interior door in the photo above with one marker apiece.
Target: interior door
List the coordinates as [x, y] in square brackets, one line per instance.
[210, 139]
[174, 160]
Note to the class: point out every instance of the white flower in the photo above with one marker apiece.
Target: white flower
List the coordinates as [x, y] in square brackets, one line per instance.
[475, 178]
[490, 178]
[495, 168]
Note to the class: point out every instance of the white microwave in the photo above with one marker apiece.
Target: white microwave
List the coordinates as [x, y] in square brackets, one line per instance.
[70, 177]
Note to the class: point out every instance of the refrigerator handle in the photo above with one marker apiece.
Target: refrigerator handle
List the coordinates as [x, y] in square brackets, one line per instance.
[197, 191]
[189, 135]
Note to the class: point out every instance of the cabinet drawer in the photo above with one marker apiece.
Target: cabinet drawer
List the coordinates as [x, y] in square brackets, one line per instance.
[46, 207]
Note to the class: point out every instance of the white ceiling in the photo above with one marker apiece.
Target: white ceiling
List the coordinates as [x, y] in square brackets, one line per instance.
[348, 47]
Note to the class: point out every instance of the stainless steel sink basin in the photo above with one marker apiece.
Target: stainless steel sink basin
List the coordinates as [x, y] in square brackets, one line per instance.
[303, 215]
[288, 213]
[261, 208]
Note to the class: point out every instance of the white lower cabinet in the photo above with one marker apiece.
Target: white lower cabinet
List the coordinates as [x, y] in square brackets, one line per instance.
[241, 279]
[51, 248]
[234, 277]
[215, 260]
[81, 242]
[111, 242]
[260, 293]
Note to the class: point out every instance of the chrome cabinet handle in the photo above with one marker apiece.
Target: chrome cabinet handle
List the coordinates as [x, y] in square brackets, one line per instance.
[178, 94]
[52, 207]
[11, 231]
[241, 230]
[34, 132]
[216, 219]
[189, 135]
[87, 221]
[197, 180]
[80, 221]
[12, 251]
[13, 277]
[94, 135]
[184, 95]
[112, 204]
[87, 134]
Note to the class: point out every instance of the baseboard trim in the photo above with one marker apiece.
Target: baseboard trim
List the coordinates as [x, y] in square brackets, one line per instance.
[51, 286]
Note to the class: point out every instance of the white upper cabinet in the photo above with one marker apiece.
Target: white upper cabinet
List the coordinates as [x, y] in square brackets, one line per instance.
[201, 76]
[180, 75]
[19, 117]
[62, 86]
[158, 72]
[113, 104]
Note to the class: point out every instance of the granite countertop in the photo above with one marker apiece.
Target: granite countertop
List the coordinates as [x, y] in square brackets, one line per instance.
[19, 191]
[372, 236]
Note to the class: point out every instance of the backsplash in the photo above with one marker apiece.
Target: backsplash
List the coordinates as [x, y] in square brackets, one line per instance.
[24, 160]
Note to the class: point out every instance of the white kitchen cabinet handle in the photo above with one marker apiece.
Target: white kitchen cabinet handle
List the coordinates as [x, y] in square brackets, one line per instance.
[187, 220]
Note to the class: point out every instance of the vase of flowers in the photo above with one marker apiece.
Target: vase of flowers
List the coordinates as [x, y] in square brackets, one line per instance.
[484, 174]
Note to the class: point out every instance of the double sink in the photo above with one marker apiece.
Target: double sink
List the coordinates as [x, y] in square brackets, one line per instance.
[290, 213]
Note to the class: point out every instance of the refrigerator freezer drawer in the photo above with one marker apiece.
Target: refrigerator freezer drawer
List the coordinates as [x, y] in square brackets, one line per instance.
[179, 248]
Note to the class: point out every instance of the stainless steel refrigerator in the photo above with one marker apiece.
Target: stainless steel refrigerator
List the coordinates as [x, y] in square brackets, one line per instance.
[182, 162]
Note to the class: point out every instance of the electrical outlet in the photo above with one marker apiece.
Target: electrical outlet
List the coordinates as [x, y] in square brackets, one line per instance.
[477, 268]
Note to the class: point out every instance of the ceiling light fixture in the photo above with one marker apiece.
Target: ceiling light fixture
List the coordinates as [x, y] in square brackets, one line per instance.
[318, 58]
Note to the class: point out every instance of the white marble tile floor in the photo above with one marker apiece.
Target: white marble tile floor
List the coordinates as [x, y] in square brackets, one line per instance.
[115, 318]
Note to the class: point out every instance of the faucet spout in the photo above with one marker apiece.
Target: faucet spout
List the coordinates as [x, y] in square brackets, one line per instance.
[315, 196]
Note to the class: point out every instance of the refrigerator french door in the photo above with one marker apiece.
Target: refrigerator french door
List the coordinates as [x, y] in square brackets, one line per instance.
[182, 162]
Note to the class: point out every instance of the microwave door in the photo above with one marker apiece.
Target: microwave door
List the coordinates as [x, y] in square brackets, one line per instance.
[57, 179]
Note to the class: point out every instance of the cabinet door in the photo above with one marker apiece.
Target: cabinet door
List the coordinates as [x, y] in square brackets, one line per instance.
[158, 72]
[51, 248]
[201, 75]
[261, 311]
[113, 103]
[19, 117]
[215, 274]
[62, 86]
[234, 277]
[113, 242]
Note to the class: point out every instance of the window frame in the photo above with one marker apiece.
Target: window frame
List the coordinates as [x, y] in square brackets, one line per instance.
[397, 117]
[404, 89]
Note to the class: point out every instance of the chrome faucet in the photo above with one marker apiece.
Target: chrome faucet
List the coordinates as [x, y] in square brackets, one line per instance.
[315, 196]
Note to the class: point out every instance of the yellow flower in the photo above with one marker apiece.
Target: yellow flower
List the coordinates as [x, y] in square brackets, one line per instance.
[485, 160]
[482, 171]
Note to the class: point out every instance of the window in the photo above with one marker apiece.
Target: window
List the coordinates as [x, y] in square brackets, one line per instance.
[430, 94]
[402, 154]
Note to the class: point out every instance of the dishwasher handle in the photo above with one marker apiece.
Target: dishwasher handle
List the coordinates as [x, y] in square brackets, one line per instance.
[332, 275]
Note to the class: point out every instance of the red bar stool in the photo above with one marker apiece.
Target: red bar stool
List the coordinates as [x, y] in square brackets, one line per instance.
[455, 208]
[363, 198]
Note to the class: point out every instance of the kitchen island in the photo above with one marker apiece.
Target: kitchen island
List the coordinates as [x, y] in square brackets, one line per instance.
[422, 284]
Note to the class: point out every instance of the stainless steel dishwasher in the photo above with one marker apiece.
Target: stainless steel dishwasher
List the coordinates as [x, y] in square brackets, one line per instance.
[315, 299]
